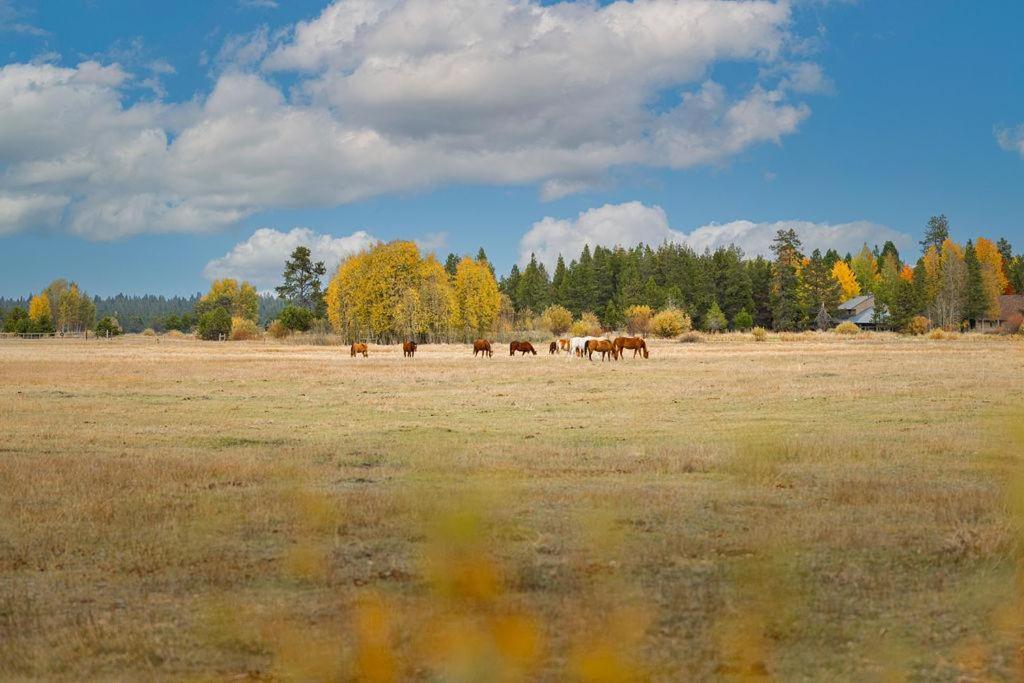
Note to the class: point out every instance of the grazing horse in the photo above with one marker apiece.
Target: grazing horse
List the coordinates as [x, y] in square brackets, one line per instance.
[359, 348]
[483, 347]
[524, 347]
[578, 345]
[563, 344]
[636, 343]
[408, 349]
[553, 348]
[603, 346]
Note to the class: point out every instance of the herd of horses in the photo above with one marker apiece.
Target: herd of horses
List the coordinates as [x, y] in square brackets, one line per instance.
[580, 347]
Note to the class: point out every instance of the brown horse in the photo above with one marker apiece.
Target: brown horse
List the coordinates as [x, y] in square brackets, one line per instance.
[359, 348]
[524, 347]
[603, 346]
[636, 343]
[483, 347]
[553, 348]
[563, 344]
[408, 349]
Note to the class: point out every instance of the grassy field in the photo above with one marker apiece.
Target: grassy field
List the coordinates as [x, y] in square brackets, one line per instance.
[813, 507]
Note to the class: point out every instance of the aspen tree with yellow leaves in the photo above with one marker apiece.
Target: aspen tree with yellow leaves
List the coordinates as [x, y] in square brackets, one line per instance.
[390, 293]
[478, 298]
[847, 280]
[39, 310]
[993, 277]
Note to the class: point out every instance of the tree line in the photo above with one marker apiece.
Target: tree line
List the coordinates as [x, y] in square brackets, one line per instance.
[948, 282]
[392, 291]
[133, 313]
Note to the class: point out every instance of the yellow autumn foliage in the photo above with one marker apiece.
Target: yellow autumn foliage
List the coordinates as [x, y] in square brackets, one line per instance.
[847, 280]
[479, 300]
[993, 278]
[39, 308]
[244, 302]
[390, 293]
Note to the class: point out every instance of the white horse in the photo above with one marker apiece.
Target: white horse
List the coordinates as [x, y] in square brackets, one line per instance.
[578, 345]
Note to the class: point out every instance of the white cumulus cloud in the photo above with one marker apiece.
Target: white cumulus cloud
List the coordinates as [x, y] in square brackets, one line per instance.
[634, 223]
[260, 259]
[387, 96]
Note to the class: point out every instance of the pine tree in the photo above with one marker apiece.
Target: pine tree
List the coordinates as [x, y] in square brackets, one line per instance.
[732, 282]
[889, 249]
[451, 264]
[481, 256]
[975, 299]
[558, 282]
[785, 291]
[509, 285]
[302, 285]
[818, 287]
[759, 271]
[532, 287]
[935, 233]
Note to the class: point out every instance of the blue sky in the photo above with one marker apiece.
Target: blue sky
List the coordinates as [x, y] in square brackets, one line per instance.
[189, 128]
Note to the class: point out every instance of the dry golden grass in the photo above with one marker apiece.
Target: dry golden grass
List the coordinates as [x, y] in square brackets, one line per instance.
[809, 507]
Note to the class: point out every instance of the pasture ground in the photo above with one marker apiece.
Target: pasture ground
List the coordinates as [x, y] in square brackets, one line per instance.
[810, 508]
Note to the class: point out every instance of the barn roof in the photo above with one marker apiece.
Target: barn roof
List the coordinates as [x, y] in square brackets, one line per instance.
[853, 303]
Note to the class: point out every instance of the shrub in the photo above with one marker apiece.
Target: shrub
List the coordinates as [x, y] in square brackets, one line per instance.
[321, 334]
[587, 326]
[295, 318]
[175, 334]
[638, 319]
[847, 327]
[108, 327]
[214, 323]
[919, 325]
[149, 332]
[670, 322]
[743, 321]
[939, 333]
[556, 319]
[714, 319]
[760, 334]
[691, 338]
[278, 330]
[243, 329]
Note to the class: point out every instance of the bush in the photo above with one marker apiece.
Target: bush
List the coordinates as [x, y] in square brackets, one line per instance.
[743, 321]
[691, 338]
[847, 327]
[321, 334]
[175, 334]
[108, 327]
[295, 318]
[587, 326]
[638, 319]
[556, 319]
[670, 322]
[214, 323]
[149, 332]
[714, 319]
[243, 329]
[278, 330]
[919, 325]
[760, 334]
[939, 333]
